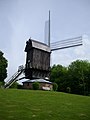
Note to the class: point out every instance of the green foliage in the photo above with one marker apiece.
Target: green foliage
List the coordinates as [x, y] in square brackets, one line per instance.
[42, 105]
[20, 86]
[79, 76]
[14, 85]
[59, 76]
[55, 86]
[58, 73]
[1, 84]
[3, 66]
[68, 90]
[74, 79]
[35, 86]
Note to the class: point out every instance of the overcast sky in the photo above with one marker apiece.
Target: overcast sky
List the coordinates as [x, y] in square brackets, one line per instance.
[22, 19]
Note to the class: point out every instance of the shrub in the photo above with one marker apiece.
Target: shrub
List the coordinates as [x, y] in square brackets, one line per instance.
[14, 85]
[68, 90]
[55, 86]
[19, 86]
[1, 84]
[35, 86]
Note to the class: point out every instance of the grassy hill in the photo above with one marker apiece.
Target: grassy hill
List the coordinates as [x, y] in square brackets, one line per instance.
[42, 105]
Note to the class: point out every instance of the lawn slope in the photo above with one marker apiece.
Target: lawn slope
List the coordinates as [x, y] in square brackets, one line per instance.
[42, 105]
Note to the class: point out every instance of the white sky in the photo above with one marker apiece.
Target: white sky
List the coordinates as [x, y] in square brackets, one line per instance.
[22, 19]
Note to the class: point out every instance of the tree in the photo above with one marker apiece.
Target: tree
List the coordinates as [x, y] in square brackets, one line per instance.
[73, 79]
[59, 76]
[79, 77]
[55, 86]
[3, 66]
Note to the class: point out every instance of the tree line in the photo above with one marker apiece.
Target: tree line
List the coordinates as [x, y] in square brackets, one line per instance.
[73, 79]
[3, 67]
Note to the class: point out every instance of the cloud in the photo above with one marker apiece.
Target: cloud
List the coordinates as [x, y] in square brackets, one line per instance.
[66, 56]
[83, 51]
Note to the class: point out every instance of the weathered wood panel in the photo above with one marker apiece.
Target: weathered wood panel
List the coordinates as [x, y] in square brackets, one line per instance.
[41, 60]
[37, 60]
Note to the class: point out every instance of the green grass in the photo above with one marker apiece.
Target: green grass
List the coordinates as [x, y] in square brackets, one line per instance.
[42, 105]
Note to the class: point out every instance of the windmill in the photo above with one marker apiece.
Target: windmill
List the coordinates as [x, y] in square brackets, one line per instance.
[38, 54]
[38, 57]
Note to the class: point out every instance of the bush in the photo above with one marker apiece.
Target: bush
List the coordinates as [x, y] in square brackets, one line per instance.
[20, 86]
[55, 86]
[14, 85]
[1, 84]
[68, 90]
[35, 86]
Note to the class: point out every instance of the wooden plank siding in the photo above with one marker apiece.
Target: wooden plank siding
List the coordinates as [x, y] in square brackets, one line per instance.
[41, 60]
[37, 60]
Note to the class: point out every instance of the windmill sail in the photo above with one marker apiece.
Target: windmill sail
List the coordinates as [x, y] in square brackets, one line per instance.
[47, 31]
[72, 42]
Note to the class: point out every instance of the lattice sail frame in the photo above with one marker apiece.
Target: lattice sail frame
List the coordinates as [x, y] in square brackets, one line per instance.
[62, 44]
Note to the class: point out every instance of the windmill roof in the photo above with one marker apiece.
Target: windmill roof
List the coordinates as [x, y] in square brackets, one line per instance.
[38, 45]
[38, 80]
